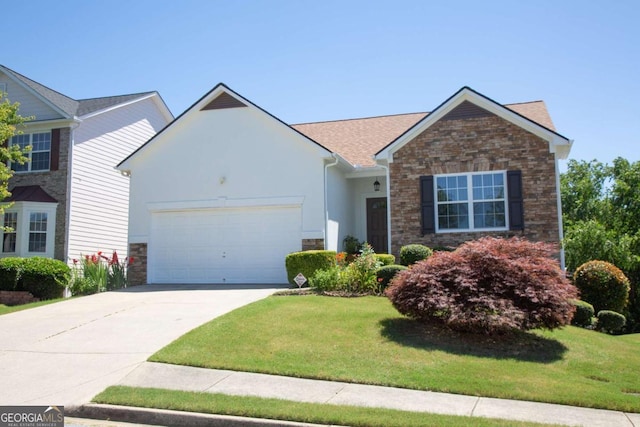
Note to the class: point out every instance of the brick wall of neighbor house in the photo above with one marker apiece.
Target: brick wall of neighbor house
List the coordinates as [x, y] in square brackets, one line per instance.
[312, 244]
[471, 145]
[55, 184]
[137, 271]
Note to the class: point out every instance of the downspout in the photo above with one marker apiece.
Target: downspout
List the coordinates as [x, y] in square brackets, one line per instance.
[560, 225]
[326, 197]
[76, 123]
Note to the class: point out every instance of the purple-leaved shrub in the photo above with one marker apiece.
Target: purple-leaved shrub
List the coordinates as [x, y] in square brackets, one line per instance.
[490, 285]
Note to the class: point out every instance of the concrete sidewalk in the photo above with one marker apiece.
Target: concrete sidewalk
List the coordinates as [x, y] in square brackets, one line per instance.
[176, 377]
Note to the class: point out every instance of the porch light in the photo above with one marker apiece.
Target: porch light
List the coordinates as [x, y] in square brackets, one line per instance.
[376, 185]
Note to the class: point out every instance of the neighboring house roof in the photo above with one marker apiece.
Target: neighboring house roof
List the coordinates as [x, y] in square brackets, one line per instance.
[30, 193]
[358, 140]
[70, 107]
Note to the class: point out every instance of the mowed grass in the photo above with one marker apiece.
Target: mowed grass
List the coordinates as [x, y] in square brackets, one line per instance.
[365, 340]
[6, 309]
[276, 409]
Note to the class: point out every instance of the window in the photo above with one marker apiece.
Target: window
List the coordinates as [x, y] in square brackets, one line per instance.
[40, 155]
[471, 202]
[38, 232]
[9, 237]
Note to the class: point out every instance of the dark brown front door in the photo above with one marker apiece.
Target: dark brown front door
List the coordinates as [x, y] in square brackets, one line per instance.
[377, 224]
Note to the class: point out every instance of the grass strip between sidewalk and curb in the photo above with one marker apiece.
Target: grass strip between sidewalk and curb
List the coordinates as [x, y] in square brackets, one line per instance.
[276, 409]
[365, 340]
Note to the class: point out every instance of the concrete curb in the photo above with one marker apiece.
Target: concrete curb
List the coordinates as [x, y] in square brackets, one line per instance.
[164, 417]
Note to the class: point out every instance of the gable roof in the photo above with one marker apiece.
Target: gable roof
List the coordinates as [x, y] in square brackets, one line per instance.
[558, 144]
[220, 97]
[358, 140]
[69, 107]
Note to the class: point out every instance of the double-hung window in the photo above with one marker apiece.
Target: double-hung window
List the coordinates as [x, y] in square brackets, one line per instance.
[9, 237]
[471, 202]
[40, 154]
[38, 232]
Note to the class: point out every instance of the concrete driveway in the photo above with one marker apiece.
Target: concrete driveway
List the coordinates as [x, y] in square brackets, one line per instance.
[66, 353]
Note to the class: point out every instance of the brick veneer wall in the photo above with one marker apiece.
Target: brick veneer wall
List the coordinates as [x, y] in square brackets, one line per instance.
[55, 184]
[472, 145]
[137, 271]
[312, 244]
[16, 297]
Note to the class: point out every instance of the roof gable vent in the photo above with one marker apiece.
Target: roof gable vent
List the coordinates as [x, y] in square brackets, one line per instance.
[466, 110]
[223, 101]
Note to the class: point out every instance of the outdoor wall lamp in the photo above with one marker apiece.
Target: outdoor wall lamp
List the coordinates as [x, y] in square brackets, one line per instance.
[376, 185]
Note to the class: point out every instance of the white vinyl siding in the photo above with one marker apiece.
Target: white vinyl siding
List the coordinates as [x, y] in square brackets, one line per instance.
[98, 215]
[30, 104]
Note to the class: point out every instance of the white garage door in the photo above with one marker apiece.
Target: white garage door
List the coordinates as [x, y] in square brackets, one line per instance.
[244, 245]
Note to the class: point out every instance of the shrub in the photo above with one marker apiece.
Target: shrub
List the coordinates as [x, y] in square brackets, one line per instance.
[83, 286]
[308, 262]
[351, 245]
[361, 273]
[45, 278]
[10, 269]
[326, 280]
[490, 286]
[386, 259]
[603, 285]
[584, 314]
[386, 273]
[410, 254]
[586, 241]
[610, 322]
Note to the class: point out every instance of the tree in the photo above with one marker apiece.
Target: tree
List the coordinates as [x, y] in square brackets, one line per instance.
[583, 191]
[625, 198]
[10, 122]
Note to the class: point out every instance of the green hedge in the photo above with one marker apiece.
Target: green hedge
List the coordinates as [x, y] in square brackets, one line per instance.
[410, 254]
[386, 259]
[583, 316]
[10, 269]
[610, 322]
[45, 278]
[308, 262]
[386, 273]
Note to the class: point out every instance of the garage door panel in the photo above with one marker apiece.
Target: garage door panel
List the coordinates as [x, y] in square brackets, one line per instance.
[246, 245]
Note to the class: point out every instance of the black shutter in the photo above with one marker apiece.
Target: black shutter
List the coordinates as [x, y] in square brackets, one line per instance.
[515, 200]
[55, 150]
[427, 204]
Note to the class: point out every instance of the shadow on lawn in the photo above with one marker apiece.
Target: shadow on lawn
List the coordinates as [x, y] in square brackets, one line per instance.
[524, 346]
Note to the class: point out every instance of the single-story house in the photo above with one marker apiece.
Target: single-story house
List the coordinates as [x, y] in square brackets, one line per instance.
[227, 190]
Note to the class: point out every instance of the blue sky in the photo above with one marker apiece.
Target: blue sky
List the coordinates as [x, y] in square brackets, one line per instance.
[306, 61]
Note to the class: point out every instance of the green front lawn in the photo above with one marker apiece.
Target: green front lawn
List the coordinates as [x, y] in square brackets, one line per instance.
[365, 340]
[276, 409]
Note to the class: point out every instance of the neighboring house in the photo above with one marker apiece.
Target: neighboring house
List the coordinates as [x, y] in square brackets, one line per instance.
[245, 188]
[69, 199]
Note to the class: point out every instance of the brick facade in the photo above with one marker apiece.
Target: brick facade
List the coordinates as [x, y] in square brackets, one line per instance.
[472, 145]
[137, 271]
[55, 183]
[16, 297]
[312, 244]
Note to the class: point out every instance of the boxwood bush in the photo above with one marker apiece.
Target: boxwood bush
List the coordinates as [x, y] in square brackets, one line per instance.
[410, 254]
[487, 286]
[308, 262]
[386, 273]
[610, 322]
[584, 314]
[45, 278]
[10, 269]
[603, 285]
[386, 259]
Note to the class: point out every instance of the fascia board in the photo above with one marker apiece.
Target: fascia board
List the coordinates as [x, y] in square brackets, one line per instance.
[467, 94]
[36, 94]
[161, 106]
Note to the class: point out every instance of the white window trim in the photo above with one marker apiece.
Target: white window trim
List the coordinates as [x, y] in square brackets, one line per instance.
[29, 155]
[470, 202]
[24, 211]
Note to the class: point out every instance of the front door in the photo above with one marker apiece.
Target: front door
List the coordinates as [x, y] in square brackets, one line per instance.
[377, 224]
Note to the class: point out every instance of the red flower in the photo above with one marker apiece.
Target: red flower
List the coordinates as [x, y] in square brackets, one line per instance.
[114, 258]
[130, 260]
[75, 261]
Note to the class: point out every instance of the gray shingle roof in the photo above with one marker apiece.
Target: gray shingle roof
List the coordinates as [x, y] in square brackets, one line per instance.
[69, 106]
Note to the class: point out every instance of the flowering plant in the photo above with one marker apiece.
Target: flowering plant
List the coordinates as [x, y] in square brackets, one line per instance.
[99, 273]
